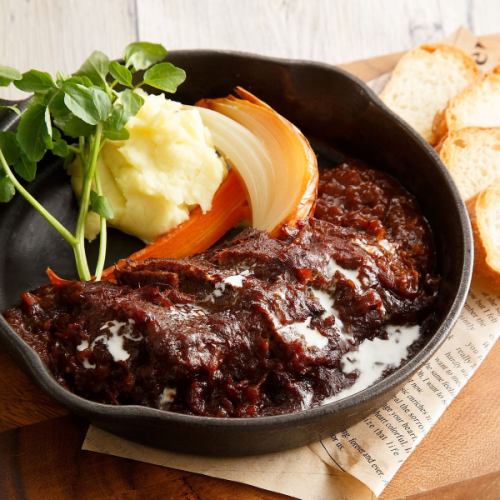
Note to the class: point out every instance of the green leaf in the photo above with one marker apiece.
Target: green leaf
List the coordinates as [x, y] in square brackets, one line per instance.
[35, 81]
[56, 104]
[95, 68]
[72, 126]
[131, 102]
[116, 135]
[13, 108]
[9, 146]
[142, 55]
[34, 131]
[165, 76]
[8, 75]
[121, 74]
[61, 76]
[7, 190]
[25, 168]
[100, 205]
[59, 146]
[90, 104]
[127, 105]
[39, 99]
[82, 80]
[65, 120]
[114, 125]
[117, 119]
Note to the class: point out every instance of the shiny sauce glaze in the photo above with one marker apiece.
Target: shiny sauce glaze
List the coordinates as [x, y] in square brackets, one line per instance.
[255, 326]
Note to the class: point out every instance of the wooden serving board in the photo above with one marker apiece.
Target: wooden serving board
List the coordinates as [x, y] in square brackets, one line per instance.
[41, 457]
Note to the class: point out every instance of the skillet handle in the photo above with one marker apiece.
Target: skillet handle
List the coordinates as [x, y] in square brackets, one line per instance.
[7, 116]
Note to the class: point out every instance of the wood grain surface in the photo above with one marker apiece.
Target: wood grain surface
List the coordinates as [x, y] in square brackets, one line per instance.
[40, 456]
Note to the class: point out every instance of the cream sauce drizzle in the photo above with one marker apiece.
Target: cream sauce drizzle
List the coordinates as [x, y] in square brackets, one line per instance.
[114, 343]
[236, 280]
[311, 336]
[327, 303]
[167, 396]
[350, 274]
[373, 357]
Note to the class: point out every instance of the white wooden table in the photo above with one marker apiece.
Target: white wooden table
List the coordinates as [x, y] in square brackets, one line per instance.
[59, 34]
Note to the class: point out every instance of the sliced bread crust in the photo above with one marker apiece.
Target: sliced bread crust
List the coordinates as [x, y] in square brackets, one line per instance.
[478, 105]
[484, 211]
[423, 82]
[472, 156]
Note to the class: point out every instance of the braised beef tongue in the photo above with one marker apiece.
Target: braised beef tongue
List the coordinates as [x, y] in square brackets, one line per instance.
[254, 326]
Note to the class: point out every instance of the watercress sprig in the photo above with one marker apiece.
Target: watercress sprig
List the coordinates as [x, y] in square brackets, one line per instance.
[72, 115]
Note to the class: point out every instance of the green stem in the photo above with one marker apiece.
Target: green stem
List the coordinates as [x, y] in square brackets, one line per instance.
[89, 174]
[36, 205]
[81, 262]
[103, 143]
[103, 234]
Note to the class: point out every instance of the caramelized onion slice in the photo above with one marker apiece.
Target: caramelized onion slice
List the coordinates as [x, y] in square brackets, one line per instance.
[274, 168]
[273, 158]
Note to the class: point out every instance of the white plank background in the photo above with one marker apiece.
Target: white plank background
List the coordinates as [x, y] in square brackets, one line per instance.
[59, 34]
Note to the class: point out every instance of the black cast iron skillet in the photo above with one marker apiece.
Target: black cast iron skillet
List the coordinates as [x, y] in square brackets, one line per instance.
[332, 108]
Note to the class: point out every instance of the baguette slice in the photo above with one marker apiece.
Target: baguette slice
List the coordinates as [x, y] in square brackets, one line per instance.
[472, 155]
[484, 211]
[423, 82]
[478, 105]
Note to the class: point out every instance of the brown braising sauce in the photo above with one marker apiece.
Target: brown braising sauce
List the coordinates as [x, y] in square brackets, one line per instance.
[255, 326]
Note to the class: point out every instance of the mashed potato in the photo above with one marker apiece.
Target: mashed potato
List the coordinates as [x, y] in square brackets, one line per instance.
[156, 177]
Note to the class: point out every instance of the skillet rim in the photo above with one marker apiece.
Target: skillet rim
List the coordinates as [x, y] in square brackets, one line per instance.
[41, 374]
